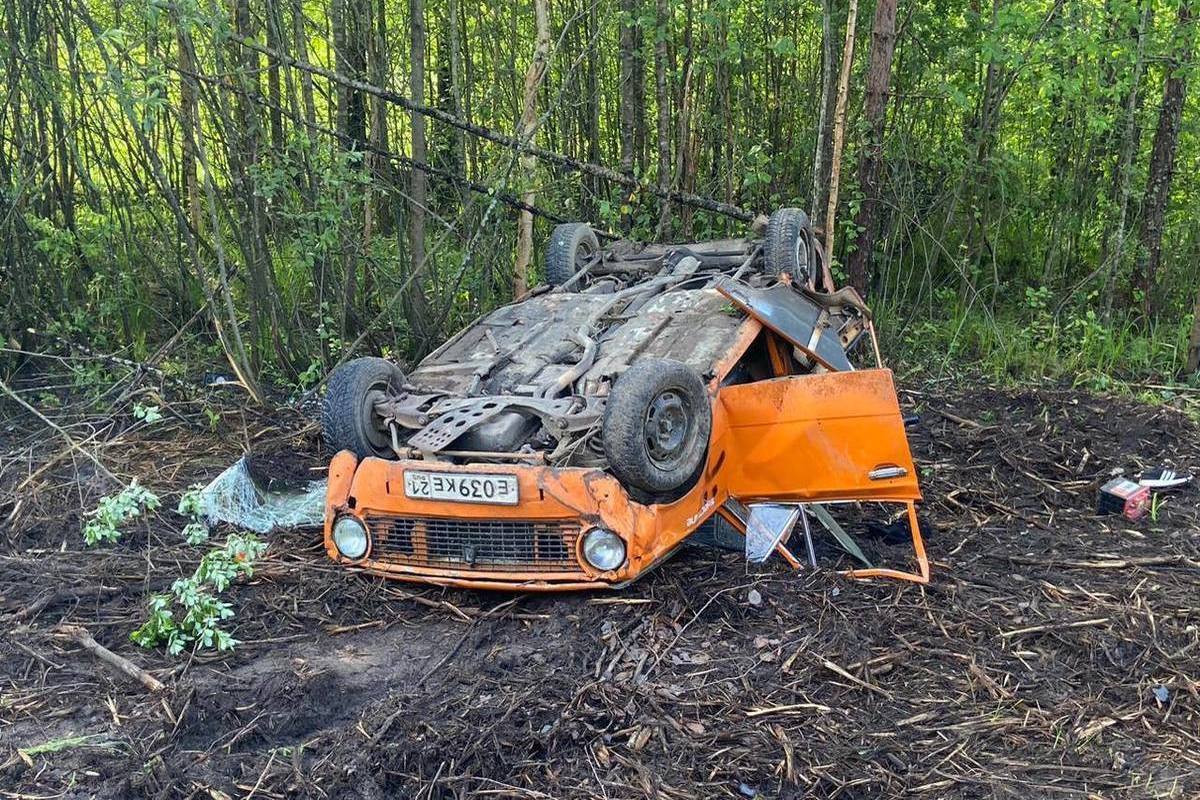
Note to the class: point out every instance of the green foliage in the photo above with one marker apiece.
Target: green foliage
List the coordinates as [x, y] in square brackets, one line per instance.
[191, 613]
[1157, 501]
[189, 502]
[198, 624]
[116, 510]
[1036, 340]
[146, 414]
[195, 532]
[63, 744]
[300, 238]
[235, 559]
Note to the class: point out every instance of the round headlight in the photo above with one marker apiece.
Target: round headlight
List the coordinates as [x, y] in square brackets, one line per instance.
[350, 537]
[603, 549]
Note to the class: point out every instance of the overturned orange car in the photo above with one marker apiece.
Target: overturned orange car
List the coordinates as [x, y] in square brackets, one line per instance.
[577, 437]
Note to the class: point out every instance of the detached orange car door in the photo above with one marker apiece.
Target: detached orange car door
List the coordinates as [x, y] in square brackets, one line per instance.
[831, 437]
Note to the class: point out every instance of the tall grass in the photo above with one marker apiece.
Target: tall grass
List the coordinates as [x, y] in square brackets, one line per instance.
[1033, 340]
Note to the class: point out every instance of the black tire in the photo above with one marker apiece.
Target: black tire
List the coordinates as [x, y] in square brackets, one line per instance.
[348, 418]
[570, 245]
[789, 245]
[656, 426]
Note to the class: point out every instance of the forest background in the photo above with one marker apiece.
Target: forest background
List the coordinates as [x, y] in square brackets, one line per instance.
[264, 187]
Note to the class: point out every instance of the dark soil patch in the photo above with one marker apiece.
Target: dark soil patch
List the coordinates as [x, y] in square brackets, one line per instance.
[283, 468]
[1056, 653]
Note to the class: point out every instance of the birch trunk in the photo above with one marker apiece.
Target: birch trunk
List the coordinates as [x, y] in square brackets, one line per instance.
[527, 133]
[883, 45]
[839, 132]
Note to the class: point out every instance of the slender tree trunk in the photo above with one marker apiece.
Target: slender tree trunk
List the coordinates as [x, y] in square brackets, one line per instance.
[1162, 165]
[628, 98]
[639, 92]
[18, 264]
[625, 95]
[662, 100]
[688, 146]
[1193, 351]
[1116, 251]
[188, 114]
[352, 30]
[416, 310]
[300, 38]
[839, 132]
[527, 133]
[307, 181]
[979, 136]
[1064, 136]
[722, 120]
[590, 108]
[454, 32]
[883, 43]
[379, 167]
[351, 26]
[61, 167]
[274, 86]
[820, 157]
[243, 134]
[337, 27]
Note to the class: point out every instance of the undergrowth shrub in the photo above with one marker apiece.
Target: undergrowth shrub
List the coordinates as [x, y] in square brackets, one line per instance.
[195, 532]
[191, 613]
[116, 510]
[1037, 339]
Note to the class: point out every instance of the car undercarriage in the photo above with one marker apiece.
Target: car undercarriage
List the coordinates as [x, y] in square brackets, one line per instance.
[528, 382]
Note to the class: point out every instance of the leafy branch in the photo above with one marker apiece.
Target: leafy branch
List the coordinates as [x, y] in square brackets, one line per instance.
[191, 613]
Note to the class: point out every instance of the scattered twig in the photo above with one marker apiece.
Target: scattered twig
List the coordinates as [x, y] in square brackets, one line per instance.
[832, 667]
[1083, 623]
[970, 423]
[119, 663]
[71, 443]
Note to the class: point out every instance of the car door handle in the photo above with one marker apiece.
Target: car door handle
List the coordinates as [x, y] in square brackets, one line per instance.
[885, 471]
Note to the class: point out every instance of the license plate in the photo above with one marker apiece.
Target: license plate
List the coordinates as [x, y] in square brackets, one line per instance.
[462, 487]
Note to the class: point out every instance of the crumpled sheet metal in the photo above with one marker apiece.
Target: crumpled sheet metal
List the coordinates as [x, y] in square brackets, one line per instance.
[235, 498]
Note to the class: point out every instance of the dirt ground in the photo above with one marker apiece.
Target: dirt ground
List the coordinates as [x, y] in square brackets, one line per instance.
[1056, 653]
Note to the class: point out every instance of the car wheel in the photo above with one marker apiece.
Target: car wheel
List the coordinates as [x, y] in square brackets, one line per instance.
[657, 421]
[789, 245]
[348, 418]
[570, 246]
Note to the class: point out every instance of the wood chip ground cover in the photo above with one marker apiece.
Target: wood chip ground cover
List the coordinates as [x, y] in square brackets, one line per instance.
[1055, 654]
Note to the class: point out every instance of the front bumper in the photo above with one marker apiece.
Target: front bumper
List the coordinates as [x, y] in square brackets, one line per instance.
[534, 545]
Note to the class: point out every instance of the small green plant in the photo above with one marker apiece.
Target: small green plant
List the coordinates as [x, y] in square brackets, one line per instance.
[146, 414]
[1156, 502]
[202, 613]
[115, 510]
[195, 532]
[189, 502]
[220, 567]
[192, 611]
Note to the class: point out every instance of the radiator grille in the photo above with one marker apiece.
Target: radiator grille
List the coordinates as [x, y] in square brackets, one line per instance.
[483, 544]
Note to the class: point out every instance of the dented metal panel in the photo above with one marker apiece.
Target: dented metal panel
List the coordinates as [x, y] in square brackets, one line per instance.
[808, 326]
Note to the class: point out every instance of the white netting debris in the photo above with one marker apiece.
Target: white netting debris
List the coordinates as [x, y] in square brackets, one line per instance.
[234, 497]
